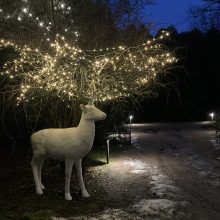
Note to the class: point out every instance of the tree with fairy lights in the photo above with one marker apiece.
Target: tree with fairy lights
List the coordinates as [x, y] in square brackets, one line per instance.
[53, 78]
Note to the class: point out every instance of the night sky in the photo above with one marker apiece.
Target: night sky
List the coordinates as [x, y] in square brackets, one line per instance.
[171, 12]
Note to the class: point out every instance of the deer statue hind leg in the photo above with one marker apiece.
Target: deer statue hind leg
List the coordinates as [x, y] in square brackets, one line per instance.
[80, 177]
[40, 165]
[68, 173]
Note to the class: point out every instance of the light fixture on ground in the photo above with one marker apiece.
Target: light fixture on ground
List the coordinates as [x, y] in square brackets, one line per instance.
[130, 118]
[212, 115]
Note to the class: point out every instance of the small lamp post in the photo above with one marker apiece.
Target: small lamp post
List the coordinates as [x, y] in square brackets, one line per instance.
[212, 115]
[130, 117]
[107, 152]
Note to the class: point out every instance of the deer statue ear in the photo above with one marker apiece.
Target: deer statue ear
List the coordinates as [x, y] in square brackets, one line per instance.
[91, 101]
[83, 108]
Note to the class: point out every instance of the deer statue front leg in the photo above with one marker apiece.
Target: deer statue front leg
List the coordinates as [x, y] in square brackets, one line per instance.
[34, 164]
[68, 173]
[80, 177]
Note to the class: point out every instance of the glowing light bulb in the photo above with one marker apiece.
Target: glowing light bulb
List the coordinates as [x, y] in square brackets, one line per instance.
[212, 114]
[25, 10]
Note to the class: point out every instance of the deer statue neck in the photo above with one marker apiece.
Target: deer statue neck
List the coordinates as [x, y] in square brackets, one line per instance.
[86, 125]
[87, 130]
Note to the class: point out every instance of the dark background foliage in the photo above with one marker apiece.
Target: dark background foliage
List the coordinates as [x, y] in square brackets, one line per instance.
[197, 86]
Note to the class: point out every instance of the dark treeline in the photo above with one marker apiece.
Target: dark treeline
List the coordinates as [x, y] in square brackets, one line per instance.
[196, 87]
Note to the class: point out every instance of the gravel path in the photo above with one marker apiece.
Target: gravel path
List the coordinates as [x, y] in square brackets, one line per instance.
[170, 171]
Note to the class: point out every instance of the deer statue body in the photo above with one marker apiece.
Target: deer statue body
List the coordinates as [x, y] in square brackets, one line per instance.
[68, 144]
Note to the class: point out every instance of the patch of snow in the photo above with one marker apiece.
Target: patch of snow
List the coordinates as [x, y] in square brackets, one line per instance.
[136, 165]
[162, 186]
[213, 141]
[151, 209]
[161, 178]
[138, 147]
[138, 171]
[215, 183]
[158, 208]
[55, 218]
[162, 190]
[116, 214]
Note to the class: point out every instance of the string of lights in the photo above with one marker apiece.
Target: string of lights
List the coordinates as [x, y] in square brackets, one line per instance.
[71, 73]
[27, 12]
[52, 65]
[60, 68]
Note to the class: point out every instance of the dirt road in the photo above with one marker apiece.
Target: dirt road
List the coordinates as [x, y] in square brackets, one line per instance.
[170, 171]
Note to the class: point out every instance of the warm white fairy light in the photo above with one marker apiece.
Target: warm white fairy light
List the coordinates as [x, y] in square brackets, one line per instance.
[34, 13]
[62, 5]
[70, 73]
[25, 10]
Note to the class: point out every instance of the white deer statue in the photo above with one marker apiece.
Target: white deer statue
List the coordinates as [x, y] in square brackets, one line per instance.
[68, 144]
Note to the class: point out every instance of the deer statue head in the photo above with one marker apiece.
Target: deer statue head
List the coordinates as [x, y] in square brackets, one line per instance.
[91, 112]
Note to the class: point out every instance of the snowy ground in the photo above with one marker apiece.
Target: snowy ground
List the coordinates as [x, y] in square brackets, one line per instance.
[170, 171]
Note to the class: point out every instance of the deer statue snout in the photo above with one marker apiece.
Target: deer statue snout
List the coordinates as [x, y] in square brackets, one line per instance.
[103, 116]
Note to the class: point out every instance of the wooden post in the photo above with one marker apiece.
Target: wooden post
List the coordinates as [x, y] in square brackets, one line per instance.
[130, 136]
[107, 151]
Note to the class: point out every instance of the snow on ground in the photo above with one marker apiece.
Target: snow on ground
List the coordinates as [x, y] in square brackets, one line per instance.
[136, 165]
[151, 209]
[159, 209]
[163, 186]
